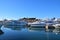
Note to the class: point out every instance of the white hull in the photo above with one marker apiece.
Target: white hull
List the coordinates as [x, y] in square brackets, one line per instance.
[37, 25]
[57, 25]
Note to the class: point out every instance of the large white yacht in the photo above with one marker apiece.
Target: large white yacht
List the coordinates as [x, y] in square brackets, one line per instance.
[37, 24]
[15, 23]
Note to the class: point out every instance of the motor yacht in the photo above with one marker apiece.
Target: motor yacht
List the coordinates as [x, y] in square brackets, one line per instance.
[37, 24]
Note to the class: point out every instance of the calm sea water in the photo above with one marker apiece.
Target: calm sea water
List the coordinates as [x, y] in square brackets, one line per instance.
[21, 33]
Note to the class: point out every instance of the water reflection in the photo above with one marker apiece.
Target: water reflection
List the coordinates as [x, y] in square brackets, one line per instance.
[56, 30]
[1, 32]
[14, 27]
[36, 29]
[31, 33]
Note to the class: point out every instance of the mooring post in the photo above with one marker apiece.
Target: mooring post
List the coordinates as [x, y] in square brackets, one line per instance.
[46, 26]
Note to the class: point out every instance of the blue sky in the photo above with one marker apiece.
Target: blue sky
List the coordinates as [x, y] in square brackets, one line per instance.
[15, 9]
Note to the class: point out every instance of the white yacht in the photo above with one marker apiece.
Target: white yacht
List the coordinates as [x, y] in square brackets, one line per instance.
[56, 25]
[15, 23]
[37, 24]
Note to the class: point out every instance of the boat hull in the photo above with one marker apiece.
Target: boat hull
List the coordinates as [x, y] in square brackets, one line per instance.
[37, 26]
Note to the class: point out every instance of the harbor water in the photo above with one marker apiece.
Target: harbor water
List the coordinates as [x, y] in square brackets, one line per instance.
[24, 33]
